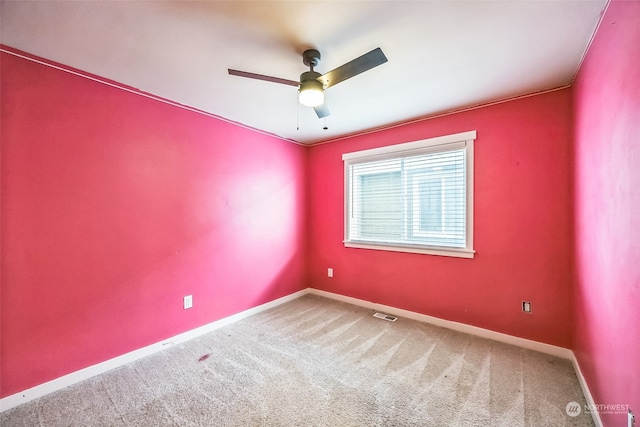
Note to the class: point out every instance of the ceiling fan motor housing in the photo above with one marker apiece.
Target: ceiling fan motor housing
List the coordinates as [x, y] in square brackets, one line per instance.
[310, 75]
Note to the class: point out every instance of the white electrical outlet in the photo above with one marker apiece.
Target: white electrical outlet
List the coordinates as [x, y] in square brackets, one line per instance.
[526, 307]
[330, 272]
[188, 301]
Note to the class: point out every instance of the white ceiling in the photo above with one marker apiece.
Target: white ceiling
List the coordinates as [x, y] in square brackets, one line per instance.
[443, 55]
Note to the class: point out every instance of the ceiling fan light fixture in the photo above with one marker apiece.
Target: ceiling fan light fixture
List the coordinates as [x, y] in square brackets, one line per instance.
[311, 93]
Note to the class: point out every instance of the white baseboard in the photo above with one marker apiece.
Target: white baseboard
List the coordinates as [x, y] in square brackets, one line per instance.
[40, 390]
[553, 350]
[100, 368]
[585, 390]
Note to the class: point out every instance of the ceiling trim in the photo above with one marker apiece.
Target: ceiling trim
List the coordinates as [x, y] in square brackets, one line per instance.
[438, 115]
[593, 36]
[79, 73]
[68, 69]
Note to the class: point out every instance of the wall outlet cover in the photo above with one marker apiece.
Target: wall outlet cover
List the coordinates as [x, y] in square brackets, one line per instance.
[187, 301]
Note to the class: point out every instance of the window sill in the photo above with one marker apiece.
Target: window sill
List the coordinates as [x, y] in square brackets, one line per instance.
[451, 252]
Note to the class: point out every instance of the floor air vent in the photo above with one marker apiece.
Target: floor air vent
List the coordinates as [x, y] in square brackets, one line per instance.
[387, 317]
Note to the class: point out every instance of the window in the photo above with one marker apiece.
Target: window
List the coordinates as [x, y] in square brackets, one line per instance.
[413, 197]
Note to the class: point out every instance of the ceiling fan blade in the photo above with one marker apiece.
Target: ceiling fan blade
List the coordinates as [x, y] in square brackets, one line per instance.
[263, 77]
[322, 111]
[353, 68]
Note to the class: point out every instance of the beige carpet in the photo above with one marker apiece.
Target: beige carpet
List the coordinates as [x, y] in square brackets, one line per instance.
[317, 362]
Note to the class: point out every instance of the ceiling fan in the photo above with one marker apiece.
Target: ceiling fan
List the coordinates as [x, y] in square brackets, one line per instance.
[312, 84]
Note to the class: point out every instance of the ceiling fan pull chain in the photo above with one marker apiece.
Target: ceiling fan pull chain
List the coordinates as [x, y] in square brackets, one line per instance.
[297, 114]
[326, 115]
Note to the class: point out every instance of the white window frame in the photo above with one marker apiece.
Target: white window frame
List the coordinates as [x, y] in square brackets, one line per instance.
[444, 143]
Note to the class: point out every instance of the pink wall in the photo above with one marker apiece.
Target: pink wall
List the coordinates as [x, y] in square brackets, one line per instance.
[115, 206]
[523, 225]
[607, 212]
